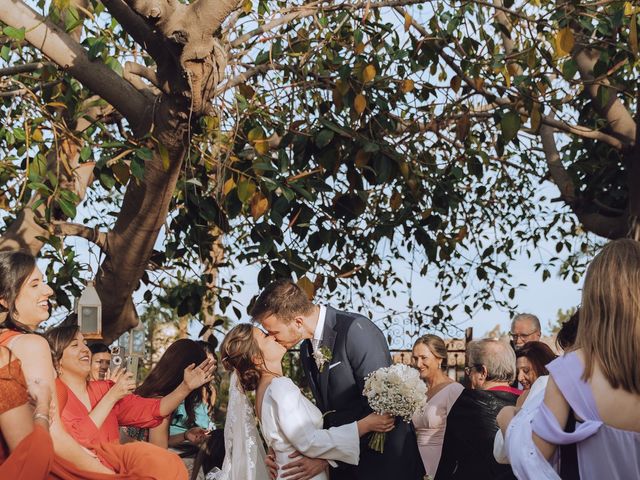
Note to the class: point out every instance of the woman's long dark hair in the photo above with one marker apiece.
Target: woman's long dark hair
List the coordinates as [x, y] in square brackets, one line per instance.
[168, 373]
[539, 355]
[15, 268]
[211, 387]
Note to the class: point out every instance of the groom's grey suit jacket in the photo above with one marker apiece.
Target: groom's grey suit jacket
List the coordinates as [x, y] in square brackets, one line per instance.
[358, 348]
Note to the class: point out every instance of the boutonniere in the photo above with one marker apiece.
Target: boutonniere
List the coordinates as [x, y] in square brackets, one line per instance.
[322, 355]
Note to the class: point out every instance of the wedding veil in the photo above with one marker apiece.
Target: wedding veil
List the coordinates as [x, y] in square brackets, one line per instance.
[244, 453]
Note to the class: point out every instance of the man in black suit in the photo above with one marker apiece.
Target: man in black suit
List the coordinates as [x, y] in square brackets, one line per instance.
[339, 350]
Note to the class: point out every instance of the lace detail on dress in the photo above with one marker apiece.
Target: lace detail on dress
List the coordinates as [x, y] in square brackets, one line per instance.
[244, 453]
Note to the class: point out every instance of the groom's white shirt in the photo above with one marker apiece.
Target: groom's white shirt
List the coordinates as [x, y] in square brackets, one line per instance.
[316, 341]
[317, 334]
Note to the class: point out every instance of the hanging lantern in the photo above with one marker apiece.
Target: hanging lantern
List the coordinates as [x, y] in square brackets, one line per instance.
[135, 341]
[89, 310]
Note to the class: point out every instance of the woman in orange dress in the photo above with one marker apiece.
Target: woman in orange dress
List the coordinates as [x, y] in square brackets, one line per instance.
[26, 451]
[24, 297]
[96, 409]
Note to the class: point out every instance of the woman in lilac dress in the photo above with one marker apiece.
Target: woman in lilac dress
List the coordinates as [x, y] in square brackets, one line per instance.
[599, 382]
[430, 358]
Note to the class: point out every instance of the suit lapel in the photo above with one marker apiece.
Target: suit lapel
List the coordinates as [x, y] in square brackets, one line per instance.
[328, 341]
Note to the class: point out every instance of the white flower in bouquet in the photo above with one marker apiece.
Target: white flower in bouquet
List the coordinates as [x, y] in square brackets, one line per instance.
[397, 390]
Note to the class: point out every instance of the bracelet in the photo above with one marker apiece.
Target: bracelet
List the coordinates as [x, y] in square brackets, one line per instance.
[42, 416]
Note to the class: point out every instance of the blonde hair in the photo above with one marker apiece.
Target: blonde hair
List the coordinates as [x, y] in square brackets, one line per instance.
[436, 345]
[609, 327]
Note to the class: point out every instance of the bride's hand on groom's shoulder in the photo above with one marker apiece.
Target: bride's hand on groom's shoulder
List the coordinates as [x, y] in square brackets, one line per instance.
[303, 468]
[376, 423]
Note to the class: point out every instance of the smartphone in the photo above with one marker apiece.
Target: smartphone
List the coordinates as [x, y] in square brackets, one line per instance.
[117, 358]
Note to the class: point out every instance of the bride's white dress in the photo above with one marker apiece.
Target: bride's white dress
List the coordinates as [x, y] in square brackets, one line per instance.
[291, 422]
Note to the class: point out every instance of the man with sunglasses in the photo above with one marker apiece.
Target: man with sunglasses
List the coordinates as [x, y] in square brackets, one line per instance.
[525, 327]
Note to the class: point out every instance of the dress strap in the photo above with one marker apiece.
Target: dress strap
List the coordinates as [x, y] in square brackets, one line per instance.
[546, 426]
[567, 374]
[7, 336]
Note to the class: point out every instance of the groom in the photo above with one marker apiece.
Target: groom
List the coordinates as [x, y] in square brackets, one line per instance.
[339, 350]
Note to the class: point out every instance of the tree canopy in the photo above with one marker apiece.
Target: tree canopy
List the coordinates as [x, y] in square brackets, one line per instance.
[328, 141]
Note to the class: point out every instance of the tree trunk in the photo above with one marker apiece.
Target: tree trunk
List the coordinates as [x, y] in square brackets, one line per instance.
[144, 210]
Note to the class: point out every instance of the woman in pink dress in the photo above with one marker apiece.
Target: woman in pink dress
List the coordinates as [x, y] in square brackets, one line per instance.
[430, 358]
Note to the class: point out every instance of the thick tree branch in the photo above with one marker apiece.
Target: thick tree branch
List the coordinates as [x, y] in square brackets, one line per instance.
[616, 226]
[138, 29]
[68, 54]
[143, 72]
[619, 119]
[192, 25]
[142, 214]
[580, 131]
[560, 176]
[94, 235]
[134, 76]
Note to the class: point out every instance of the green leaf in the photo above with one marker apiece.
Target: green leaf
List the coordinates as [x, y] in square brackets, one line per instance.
[40, 187]
[96, 49]
[114, 65]
[324, 138]
[303, 192]
[72, 19]
[143, 153]
[68, 208]
[107, 180]
[19, 134]
[510, 124]
[15, 33]
[164, 155]
[137, 168]
[85, 153]
[246, 189]
[569, 69]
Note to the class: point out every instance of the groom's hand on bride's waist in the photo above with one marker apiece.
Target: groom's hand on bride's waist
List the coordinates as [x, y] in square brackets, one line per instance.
[303, 468]
[272, 466]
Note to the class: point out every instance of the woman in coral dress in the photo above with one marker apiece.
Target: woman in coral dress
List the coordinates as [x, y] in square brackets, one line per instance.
[95, 410]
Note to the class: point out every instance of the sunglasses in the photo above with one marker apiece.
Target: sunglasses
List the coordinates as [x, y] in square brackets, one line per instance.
[469, 369]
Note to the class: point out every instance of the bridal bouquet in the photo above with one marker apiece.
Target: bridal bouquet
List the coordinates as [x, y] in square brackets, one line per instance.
[397, 390]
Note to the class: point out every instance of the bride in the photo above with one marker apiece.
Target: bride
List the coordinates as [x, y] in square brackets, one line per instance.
[288, 420]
